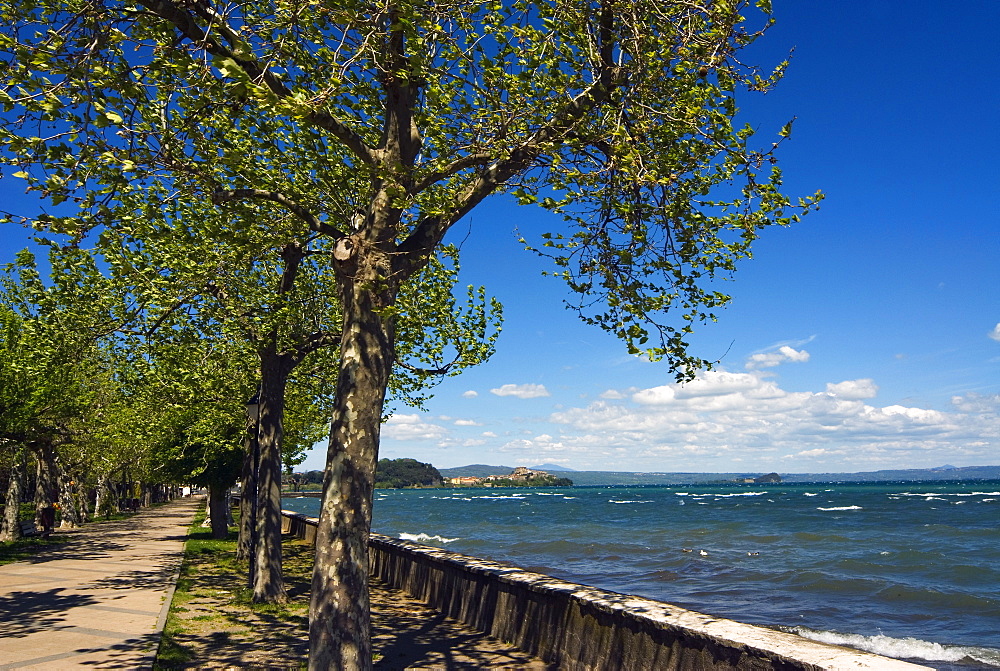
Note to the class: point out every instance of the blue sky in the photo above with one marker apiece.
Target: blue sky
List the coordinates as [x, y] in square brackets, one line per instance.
[860, 338]
[865, 337]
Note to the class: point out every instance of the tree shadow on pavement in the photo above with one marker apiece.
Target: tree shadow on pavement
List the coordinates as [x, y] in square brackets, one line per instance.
[24, 613]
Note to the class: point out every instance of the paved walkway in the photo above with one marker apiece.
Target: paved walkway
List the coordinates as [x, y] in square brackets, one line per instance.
[98, 600]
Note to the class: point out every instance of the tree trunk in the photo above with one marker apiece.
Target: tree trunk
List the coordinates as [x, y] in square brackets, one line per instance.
[67, 502]
[104, 499]
[10, 525]
[46, 491]
[83, 503]
[339, 611]
[268, 583]
[218, 502]
[247, 487]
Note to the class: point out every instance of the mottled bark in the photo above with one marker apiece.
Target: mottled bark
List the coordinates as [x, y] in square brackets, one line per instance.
[268, 583]
[83, 504]
[46, 490]
[339, 636]
[67, 502]
[104, 499]
[247, 485]
[10, 527]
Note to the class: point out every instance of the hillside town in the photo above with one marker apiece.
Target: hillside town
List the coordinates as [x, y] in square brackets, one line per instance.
[519, 477]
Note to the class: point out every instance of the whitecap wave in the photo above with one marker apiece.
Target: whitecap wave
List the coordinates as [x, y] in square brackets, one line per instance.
[728, 496]
[809, 494]
[955, 494]
[613, 501]
[905, 648]
[842, 508]
[423, 538]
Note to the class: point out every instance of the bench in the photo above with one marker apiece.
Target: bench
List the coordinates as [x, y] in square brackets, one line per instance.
[28, 528]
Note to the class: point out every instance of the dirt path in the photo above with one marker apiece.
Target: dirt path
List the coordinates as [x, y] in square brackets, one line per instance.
[217, 628]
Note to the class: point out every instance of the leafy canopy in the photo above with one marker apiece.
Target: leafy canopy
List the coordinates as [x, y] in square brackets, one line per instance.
[386, 124]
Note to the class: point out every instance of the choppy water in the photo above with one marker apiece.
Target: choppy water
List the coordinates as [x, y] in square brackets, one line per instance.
[908, 570]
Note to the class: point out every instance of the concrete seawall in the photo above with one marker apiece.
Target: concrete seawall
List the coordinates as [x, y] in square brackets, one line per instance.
[584, 628]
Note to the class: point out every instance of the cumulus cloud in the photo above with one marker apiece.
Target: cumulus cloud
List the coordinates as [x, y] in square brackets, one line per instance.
[977, 403]
[470, 394]
[412, 427]
[720, 418]
[467, 422]
[544, 444]
[521, 390]
[783, 354]
[995, 333]
[853, 389]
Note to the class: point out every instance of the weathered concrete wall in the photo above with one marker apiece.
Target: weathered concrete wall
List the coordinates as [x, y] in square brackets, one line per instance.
[585, 628]
[298, 525]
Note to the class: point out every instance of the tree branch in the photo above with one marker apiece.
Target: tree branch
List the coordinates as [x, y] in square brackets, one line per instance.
[186, 25]
[315, 224]
[313, 342]
[430, 230]
[452, 168]
[428, 371]
[166, 313]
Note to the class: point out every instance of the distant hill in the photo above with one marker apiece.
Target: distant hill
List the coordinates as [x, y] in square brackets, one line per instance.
[605, 478]
[475, 471]
[911, 474]
[592, 478]
[550, 468]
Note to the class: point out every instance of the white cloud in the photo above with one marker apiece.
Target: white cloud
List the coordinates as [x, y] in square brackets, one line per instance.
[544, 444]
[488, 434]
[995, 333]
[717, 383]
[853, 389]
[783, 354]
[976, 403]
[613, 394]
[818, 452]
[521, 390]
[721, 419]
[412, 427]
[467, 422]
[470, 394]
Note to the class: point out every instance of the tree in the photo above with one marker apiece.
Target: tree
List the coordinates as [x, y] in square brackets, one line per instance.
[273, 289]
[50, 365]
[396, 473]
[616, 116]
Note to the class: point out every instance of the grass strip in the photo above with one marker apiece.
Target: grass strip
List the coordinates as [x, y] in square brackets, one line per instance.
[213, 622]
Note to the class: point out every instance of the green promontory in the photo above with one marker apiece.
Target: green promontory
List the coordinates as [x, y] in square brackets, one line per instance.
[399, 473]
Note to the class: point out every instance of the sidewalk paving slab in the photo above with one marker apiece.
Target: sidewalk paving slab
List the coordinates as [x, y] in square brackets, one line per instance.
[100, 599]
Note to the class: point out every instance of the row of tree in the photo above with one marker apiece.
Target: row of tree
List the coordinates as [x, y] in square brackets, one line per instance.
[98, 401]
[264, 191]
